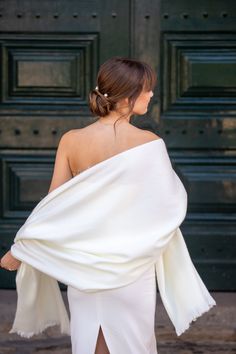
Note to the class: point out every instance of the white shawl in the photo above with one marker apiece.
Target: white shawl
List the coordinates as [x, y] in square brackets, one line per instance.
[103, 229]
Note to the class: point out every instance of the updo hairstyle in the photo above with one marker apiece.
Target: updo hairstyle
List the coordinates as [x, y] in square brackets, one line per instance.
[120, 78]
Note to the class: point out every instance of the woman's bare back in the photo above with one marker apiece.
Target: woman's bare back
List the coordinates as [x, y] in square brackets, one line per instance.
[97, 142]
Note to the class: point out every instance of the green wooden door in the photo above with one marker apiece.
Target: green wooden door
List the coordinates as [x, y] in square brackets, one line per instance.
[197, 77]
[49, 55]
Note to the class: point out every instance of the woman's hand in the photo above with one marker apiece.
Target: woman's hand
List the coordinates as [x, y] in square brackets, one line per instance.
[9, 262]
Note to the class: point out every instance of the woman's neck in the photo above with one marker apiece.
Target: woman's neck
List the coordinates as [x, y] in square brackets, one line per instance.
[112, 117]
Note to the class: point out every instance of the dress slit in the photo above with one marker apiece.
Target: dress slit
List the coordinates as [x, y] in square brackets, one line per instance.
[101, 332]
[125, 315]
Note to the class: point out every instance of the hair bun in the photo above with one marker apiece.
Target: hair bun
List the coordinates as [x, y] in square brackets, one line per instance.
[99, 103]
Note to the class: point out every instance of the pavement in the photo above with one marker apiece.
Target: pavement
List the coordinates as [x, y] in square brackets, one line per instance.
[213, 332]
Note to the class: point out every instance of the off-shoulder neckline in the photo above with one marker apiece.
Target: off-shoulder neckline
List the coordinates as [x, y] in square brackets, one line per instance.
[116, 155]
[84, 173]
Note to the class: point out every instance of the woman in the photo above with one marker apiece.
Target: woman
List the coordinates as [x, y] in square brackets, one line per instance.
[117, 317]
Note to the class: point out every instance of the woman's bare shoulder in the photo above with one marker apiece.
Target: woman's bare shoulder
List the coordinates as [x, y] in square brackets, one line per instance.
[146, 135]
[68, 141]
[70, 136]
[78, 132]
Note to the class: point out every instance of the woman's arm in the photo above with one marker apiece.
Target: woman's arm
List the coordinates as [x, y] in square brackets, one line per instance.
[61, 174]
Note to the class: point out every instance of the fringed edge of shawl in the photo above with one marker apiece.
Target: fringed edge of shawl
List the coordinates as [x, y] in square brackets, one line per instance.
[40, 331]
[195, 317]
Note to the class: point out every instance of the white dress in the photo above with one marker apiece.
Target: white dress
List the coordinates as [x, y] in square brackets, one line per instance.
[126, 316]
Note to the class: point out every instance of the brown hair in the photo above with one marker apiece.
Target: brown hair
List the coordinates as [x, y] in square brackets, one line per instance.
[120, 78]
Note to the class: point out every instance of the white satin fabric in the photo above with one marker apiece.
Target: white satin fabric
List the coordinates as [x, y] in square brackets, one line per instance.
[126, 316]
[102, 230]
